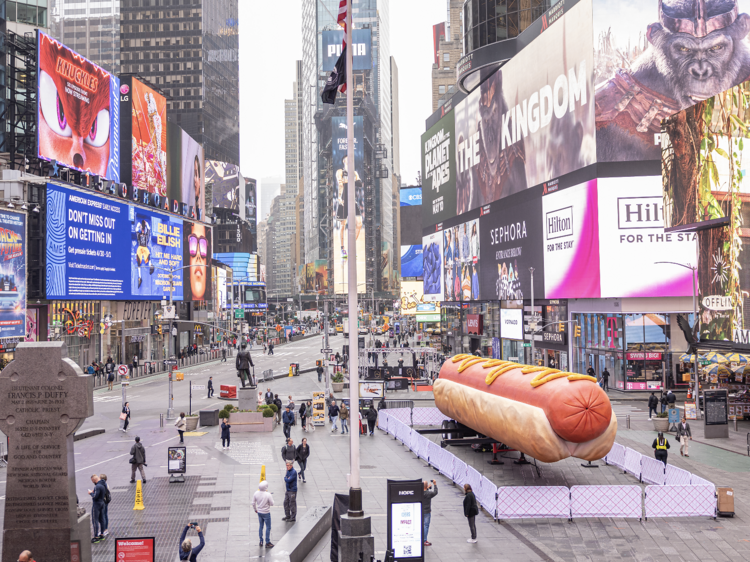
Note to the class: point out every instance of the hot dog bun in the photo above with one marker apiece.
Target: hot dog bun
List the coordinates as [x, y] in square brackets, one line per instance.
[553, 420]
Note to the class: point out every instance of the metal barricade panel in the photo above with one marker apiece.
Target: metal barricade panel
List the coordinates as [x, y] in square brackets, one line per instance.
[434, 455]
[677, 476]
[383, 420]
[698, 481]
[401, 414]
[424, 448]
[488, 496]
[632, 462]
[428, 416]
[474, 479]
[446, 463]
[680, 501]
[606, 501]
[616, 456]
[652, 471]
[414, 442]
[533, 502]
[459, 472]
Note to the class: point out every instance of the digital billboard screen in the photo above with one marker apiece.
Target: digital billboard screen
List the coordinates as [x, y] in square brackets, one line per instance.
[660, 57]
[361, 53]
[340, 206]
[78, 116]
[439, 172]
[148, 137]
[193, 176]
[226, 184]
[101, 248]
[461, 253]
[12, 275]
[432, 258]
[410, 196]
[321, 277]
[196, 248]
[411, 261]
[251, 203]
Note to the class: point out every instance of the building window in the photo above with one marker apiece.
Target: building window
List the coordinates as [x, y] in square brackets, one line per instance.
[446, 57]
[441, 89]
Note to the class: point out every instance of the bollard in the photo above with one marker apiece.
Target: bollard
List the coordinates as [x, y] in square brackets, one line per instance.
[735, 424]
[627, 421]
[161, 420]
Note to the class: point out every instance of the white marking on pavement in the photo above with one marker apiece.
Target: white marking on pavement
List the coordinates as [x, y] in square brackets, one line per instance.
[119, 456]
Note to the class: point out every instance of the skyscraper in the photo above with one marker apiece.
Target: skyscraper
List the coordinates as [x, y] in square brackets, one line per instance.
[188, 49]
[325, 236]
[447, 42]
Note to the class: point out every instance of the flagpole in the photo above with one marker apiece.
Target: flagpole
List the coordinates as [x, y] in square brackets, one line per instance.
[355, 491]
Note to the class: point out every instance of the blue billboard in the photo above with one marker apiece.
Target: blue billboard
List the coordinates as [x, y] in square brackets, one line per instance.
[362, 55]
[411, 261]
[100, 248]
[12, 275]
[411, 196]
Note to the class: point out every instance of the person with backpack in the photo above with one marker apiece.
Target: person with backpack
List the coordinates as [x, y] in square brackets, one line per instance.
[107, 499]
[471, 510]
[660, 446]
[137, 460]
[653, 402]
[109, 368]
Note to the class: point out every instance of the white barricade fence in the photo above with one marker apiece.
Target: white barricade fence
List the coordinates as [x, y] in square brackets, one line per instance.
[401, 414]
[616, 456]
[446, 463]
[428, 416]
[383, 420]
[680, 501]
[606, 501]
[632, 462]
[435, 455]
[652, 471]
[459, 472]
[677, 476]
[404, 434]
[698, 481]
[414, 442]
[424, 448]
[474, 479]
[488, 496]
[520, 502]
[394, 427]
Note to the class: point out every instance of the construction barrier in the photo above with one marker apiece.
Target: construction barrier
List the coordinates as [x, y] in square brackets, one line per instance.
[606, 501]
[616, 456]
[680, 501]
[424, 448]
[447, 463]
[488, 496]
[652, 471]
[533, 502]
[459, 472]
[698, 481]
[415, 442]
[435, 454]
[677, 476]
[383, 421]
[632, 462]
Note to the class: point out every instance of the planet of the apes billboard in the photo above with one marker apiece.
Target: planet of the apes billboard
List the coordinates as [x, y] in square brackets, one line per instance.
[439, 172]
[654, 58]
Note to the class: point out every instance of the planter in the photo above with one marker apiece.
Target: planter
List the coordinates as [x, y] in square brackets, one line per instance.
[250, 422]
[192, 423]
[338, 386]
[661, 424]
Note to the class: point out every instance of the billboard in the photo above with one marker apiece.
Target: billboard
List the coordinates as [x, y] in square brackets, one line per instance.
[87, 237]
[361, 53]
[148, 137]
[321, 277]
[439, 172]
[251, 203]
[78, 115]
[432, 254]
[226, 184]
[654, 59]
[461, 249]
[511, 324]
[410, 196]
[412, 299]
[13, 276]
[512, 240]
[221, 287]
[532, 120]
[192, 181]
[196, 252]
[411, 261]
[340, 204]
[309, 277]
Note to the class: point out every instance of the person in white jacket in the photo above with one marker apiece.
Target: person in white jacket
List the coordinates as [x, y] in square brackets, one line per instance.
[262, 503]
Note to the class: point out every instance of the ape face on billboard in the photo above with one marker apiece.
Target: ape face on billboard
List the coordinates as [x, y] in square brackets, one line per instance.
[654, 59]
[78, 121]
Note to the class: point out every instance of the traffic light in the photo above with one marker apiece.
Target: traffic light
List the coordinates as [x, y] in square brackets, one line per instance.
[159, 329]
[577, 331]
[561, 327]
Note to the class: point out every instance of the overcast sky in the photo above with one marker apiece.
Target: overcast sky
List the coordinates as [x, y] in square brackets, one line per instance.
[271, 42]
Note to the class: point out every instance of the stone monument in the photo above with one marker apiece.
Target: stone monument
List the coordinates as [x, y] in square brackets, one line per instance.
[44, 399]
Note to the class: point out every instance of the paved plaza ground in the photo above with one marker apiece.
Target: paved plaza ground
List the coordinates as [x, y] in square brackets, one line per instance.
[219, 485]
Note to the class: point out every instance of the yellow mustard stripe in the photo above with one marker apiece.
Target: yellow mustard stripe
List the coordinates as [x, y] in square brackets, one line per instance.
[530, 369]
[469, 362]
[577, 377]
[543, 374]
[460, 357]
[494, 363]
[548, 378]
[497, 371]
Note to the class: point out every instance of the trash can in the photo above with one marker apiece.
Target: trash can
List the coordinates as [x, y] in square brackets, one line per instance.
[209, 417]
[294, 369]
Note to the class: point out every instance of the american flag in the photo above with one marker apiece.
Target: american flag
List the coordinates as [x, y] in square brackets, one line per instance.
[342, 22]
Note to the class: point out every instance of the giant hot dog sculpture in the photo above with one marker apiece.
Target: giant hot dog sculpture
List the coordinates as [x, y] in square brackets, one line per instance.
[545, 413]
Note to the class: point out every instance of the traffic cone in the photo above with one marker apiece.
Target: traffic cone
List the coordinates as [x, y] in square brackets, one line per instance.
[262, 473]
[139, 497]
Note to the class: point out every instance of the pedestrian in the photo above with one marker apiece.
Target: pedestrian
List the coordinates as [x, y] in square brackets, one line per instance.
[590, 371]
[291, 407]
[135, 362]
[97, 510]
[137, 460]
[372, 417]
[288, 452]
[303, 416]
[181, 424]
[224, 354]
[605, 379]
[320, 373]
[430, 491]
[290, 497]
[25, 556]
[279, 408]
[671, 399]
[269, 396]
[109, 368]
[660, 446]
[262, 504]
[225, 439]
[187, 552]
[653, 402]
[381, 403]
[210, 387]
[471, 510]
[125, 416]
[310, 415]
[344, 417]
[303, 452]
[663, 401]
[288, 420]
[270, 348]
[684, 435]
[265, 348]
[107, 499]
[333, 414]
